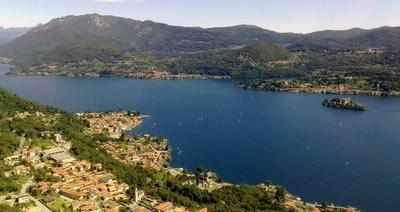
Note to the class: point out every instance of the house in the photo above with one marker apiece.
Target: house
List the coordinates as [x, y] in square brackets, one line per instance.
[12, 160]
[140, 209]
[48, 199]
[23, 199]
[139, 194]
[134, 159]
[164, 207]
[149, 201]
[63, 157]
[72, 194]
[180, 209]
[57, 137]
[21, 169]
[53, 151]
[112, 206]
[105, 179]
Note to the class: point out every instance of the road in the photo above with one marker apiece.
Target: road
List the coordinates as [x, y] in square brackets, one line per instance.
[23, 192]
[42, 206]
[25, 186]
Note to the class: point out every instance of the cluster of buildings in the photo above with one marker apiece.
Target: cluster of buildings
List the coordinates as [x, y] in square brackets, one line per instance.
[209, 181]
[143, 152]
[88, 186]
[349, 87]
[111, 123]
[83, 186]
[165, 75]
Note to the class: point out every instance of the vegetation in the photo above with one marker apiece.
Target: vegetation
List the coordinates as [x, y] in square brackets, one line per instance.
[44, 175]
[7, 208]
[9, 184]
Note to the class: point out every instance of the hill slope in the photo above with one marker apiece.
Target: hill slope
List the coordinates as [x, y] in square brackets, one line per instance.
[89, 35]
[94, 43]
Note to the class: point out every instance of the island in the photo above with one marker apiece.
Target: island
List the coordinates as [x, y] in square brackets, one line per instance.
[52, 160]
[344, 103]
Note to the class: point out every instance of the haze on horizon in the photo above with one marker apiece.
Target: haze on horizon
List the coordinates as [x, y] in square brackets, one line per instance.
[301, 16]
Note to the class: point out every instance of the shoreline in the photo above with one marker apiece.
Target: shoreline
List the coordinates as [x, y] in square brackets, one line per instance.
[325, 91]
[111, 120]
[139, 76]
[291, 199]
[212, 77]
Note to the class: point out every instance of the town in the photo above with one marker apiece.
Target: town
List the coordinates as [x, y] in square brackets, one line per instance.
[113, 124]
[52, 179]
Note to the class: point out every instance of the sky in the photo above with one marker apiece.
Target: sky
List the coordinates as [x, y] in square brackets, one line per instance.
[279, 15]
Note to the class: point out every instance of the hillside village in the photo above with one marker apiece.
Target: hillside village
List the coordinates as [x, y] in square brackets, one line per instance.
[69, 183]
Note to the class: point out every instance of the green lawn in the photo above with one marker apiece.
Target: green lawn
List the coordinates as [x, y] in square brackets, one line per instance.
[58, 204]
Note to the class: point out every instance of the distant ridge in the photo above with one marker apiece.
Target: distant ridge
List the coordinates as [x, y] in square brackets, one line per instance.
[85, 37]
[9, 34]
[95, 34]
[337, 34]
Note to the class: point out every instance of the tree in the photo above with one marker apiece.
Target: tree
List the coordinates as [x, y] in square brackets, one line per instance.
[280, 194]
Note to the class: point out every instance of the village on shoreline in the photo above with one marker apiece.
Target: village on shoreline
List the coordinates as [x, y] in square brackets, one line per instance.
[145, 75]
[294, 86]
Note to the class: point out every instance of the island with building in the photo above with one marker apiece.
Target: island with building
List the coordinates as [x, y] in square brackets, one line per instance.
[52, 160]
[344, 103]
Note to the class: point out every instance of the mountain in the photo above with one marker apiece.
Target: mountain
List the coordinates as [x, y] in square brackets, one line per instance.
[380, 37]
[9, 34]
[105, 38]
[388, 37]
[337, 34]
[93, 35]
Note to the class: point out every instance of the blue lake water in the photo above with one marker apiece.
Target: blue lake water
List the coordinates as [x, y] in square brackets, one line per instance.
[319, 153]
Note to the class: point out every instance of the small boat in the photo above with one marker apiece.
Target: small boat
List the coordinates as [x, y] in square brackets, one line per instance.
[179, 151]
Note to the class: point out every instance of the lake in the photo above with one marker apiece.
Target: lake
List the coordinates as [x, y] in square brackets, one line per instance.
[322, 154]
